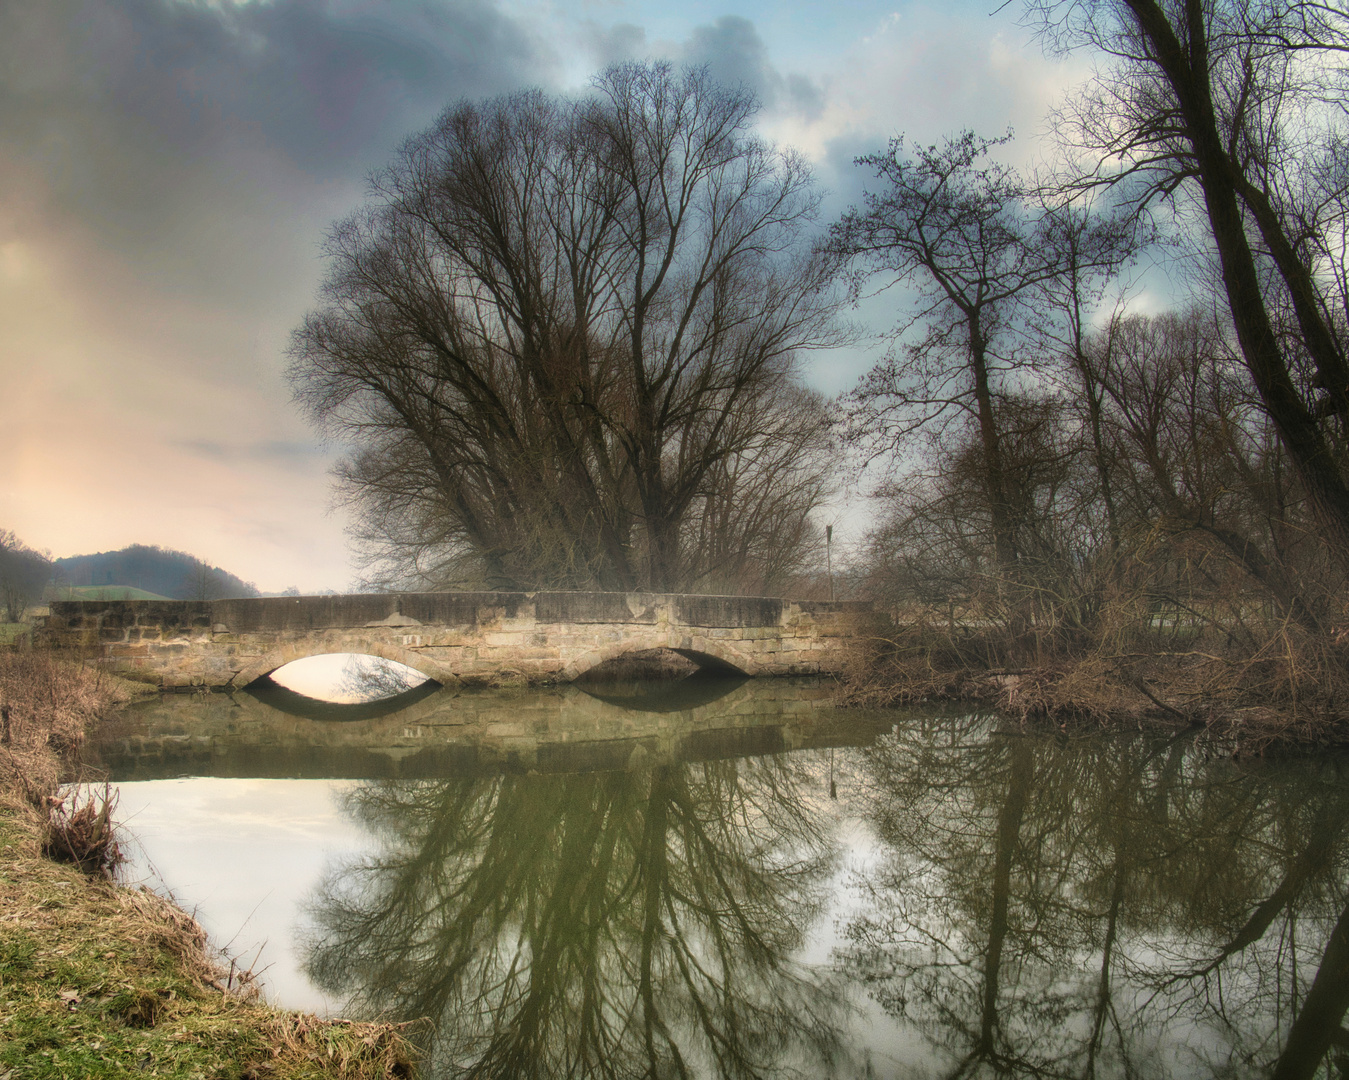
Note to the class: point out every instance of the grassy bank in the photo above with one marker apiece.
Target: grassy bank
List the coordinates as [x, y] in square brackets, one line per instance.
[99, 980]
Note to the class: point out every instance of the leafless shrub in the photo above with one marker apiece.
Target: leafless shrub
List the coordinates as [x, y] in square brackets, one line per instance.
[80, 830]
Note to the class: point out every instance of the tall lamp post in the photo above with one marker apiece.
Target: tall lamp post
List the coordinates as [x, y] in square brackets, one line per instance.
[829, 558]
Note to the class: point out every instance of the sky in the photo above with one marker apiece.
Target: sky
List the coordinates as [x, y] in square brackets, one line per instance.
[168, 169]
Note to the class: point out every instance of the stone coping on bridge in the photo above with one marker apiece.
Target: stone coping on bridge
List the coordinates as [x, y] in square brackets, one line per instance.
[464, 636]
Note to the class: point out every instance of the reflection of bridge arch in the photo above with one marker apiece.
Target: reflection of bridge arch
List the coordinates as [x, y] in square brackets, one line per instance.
[467, 731]
[292, 703]
[713, 654]
[303, 649]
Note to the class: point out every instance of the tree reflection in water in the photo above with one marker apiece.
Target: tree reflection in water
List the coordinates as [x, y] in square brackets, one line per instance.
[1104, 907]
[616, 924]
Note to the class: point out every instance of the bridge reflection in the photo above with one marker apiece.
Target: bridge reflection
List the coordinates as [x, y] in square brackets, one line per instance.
[293, 703]
[430, 733]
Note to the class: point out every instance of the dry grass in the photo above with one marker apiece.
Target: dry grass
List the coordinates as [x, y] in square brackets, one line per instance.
[46, 705]
[1267, 686]
[102, 981]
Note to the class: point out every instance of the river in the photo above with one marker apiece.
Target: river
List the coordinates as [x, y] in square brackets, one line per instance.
[731, 879]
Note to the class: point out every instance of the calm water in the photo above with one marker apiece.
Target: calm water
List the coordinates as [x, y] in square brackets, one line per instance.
[636, 882]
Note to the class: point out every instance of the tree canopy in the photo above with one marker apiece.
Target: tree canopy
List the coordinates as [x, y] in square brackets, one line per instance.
[560, 337]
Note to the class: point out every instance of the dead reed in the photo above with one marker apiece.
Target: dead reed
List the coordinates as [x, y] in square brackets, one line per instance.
[1258, 683]
[79, 830]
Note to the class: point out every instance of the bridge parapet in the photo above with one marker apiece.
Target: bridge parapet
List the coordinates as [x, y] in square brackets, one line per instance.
[480, 637]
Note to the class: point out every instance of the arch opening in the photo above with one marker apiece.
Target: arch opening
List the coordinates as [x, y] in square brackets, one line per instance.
[341, 685]
[660, 679]
[612, 661]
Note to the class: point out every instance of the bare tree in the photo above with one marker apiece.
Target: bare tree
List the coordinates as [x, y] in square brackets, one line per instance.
[23, 575]
[953, 229]
[964, 233]
[204, 582]
[561, 336]
[1087, 246]
[1195, 458]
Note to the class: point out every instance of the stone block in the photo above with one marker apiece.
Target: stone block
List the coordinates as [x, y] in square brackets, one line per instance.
[465, 609]
[583, 608]
[728, 610]
[521, 654]
[302, 612]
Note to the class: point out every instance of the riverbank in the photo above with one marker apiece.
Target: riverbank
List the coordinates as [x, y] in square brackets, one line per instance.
[100, 980]
[1295, 699]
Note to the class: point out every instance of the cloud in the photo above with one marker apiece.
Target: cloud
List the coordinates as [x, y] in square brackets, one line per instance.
[613, 44]
[735, 54]
[148, 123]
[732, 50]
[167, 170]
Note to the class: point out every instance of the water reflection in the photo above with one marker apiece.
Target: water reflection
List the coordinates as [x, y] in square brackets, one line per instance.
[1105, 907]
[694, 691]
[438, 732]
[638, 923]
[576, 888]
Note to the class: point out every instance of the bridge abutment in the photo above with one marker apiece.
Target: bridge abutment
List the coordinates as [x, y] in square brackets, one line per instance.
[487, 638]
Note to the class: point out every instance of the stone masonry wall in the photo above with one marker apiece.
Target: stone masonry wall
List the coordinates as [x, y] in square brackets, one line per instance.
[479, 638]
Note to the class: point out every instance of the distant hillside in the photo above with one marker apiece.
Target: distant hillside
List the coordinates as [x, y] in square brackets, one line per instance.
[175, 575]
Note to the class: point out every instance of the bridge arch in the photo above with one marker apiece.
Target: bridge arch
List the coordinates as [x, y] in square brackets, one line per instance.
[302, 650]
[710, 653]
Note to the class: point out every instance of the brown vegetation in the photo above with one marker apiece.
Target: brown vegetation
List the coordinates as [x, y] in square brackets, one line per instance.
[80, 830]
[1254, 682]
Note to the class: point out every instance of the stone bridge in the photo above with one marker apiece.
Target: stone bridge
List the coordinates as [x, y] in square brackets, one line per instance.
[475, 638]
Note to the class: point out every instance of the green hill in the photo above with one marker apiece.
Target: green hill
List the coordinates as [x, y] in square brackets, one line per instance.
[143, 572]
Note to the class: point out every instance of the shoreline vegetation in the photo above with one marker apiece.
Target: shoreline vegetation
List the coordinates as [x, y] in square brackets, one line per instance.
[1287, 694]
[103, 980]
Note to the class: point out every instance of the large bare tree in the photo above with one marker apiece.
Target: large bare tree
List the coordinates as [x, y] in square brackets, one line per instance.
[23, 575]
[561, 334]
